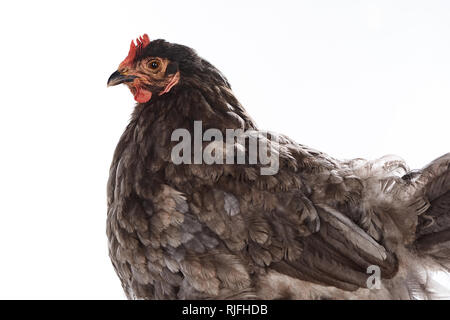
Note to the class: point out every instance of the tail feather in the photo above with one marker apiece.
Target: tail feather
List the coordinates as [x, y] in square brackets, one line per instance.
[433, 229]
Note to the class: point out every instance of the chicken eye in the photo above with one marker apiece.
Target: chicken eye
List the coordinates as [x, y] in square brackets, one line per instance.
[154, 64]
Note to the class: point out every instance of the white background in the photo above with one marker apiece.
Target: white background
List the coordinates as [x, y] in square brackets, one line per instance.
[351, 78]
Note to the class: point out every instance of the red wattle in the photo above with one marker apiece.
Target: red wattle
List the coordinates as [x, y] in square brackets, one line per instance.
[142, 95]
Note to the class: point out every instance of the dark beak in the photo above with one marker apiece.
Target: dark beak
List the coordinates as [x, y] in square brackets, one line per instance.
[118, 78]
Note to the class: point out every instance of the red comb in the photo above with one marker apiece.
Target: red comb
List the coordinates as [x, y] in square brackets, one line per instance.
[141, 43]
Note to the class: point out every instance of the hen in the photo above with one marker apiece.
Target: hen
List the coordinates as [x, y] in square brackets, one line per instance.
[310, 227]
